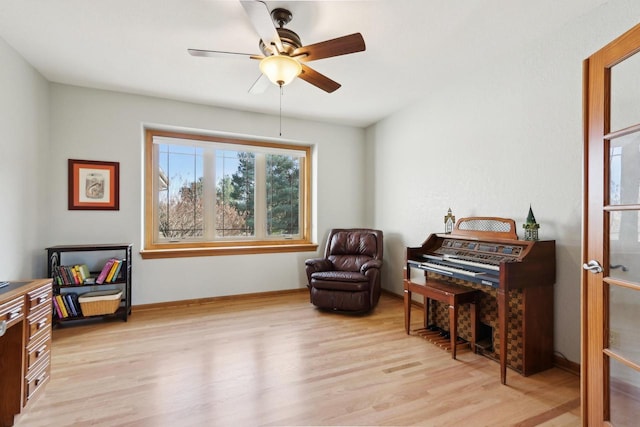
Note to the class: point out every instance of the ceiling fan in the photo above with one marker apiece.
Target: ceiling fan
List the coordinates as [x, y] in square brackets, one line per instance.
[283, 55]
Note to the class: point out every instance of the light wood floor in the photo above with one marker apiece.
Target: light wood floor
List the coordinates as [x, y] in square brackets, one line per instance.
[276, 360]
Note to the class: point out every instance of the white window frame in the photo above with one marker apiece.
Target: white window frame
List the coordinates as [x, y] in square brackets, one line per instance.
[154, 247]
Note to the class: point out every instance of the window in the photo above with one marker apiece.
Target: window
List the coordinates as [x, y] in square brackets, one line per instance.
[208, 195]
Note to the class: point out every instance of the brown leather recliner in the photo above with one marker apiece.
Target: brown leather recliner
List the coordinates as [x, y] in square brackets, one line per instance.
[348, 277]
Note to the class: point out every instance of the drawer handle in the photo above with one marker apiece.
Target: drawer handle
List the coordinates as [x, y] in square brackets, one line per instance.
[3, 327]
[40, 379]
[42, 300]
[14, 314]
[40, 351]
[42, 323]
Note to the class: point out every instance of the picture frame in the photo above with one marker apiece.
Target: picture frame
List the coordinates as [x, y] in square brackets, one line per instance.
[94, 185]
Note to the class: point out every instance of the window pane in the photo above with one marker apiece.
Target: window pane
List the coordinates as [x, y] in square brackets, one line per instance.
[624, 245]
[235, 185]
[625, 93]
[180, 192]
[624, 312]
[624, 170]
[624, 394]
[283, 195]
[243, 194]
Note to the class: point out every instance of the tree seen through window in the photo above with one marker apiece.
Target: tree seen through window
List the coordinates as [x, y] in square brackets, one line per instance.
[183, 204]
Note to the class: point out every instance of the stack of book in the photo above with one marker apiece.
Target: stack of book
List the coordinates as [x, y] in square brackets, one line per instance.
[66, 305]
[111, 271]
[71, 274]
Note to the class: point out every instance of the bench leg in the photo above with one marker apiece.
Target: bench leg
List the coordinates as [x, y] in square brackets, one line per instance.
[474, 326]
[453, 327]
[426, 312]
[407, 310]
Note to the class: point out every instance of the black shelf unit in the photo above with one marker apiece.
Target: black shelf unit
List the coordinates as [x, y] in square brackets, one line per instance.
[56, 257]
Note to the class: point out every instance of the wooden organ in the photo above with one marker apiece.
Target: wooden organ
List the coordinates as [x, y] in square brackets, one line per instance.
[515, 277]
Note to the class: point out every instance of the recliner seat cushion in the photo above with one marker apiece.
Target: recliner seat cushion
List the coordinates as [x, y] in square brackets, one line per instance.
[340, 276]
[340, 280]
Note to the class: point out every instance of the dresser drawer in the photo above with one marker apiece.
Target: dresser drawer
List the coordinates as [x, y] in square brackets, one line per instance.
[38, 323]
[35, 381]
[39, 298]
[12, 312]
[38, 351]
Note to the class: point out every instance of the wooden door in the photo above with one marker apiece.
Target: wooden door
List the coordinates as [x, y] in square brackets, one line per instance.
[611, 248]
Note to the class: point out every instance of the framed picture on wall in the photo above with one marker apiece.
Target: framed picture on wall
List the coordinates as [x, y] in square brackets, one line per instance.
[94, 185]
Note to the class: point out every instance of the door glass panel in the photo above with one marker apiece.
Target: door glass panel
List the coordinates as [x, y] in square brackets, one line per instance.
[624, 170]
[625, 93]
[624, 245]
[624, 312]
[624, 394]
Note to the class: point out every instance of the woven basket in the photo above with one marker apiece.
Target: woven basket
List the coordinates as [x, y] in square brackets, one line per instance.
[100, 302]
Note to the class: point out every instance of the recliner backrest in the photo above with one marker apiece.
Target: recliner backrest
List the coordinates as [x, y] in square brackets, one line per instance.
[348, 249]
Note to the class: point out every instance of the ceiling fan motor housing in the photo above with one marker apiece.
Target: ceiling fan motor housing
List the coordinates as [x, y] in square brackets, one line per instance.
[290, 40]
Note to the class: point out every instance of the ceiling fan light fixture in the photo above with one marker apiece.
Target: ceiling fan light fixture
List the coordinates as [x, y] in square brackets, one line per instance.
[280, 69]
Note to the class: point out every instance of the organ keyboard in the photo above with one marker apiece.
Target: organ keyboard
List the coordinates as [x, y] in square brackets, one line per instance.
[496, 262]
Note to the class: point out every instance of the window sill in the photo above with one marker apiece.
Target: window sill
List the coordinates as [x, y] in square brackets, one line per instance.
[226, 250]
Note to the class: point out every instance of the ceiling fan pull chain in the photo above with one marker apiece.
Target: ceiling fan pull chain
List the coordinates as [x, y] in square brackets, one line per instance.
[280, 110]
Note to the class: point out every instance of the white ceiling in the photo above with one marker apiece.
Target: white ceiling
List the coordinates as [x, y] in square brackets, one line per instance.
[140, 46]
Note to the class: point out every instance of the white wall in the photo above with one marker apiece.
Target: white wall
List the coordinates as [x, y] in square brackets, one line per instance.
[24, 121]
[490, 140]
[90, 124]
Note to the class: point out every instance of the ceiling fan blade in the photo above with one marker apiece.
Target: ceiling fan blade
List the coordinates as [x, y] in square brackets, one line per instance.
[329, 48]
[260, 17]
[260, 85]
[216, 53]
[321, 81]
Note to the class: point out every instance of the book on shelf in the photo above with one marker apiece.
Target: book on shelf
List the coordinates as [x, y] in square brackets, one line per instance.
[83, 269]
[56, 308]
[70, 307]
[71, 274]
[66, 305]
[63, 275]
[62, 307]
[76, 274]
[105, 271]
[72, 299]
[116, 273]
[76, 303]
[56, 276]
[69, 279]
[114, 267]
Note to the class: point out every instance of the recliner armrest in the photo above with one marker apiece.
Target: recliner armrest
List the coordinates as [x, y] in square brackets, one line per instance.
[374, 263]
[319, 264]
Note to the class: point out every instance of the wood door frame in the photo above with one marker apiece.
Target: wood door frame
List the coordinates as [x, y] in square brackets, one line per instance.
[594, 299]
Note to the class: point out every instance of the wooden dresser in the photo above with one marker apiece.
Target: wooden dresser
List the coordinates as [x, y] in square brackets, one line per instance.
[25, 345]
